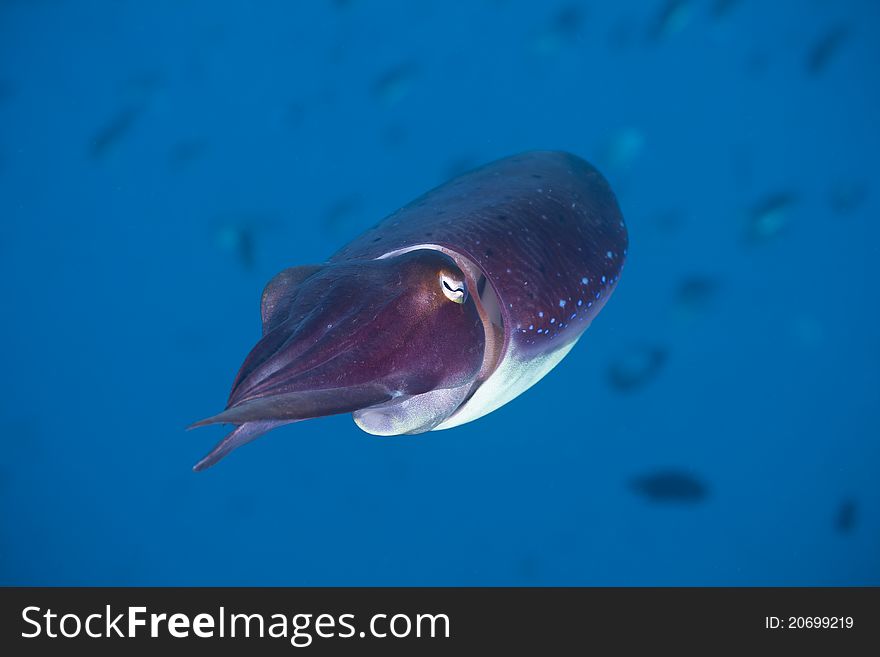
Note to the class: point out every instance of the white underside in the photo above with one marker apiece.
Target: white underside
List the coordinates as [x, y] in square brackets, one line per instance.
[511, 378]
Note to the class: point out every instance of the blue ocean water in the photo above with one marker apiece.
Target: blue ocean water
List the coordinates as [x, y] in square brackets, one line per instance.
[717, 424]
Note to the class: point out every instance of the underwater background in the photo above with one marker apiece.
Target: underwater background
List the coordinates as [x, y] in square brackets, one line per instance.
[719, 423]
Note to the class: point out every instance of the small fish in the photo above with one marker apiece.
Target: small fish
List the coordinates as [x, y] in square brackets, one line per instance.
[185, 151]
[670, 486]
[769, 217]
[847, 198]
[113, 132]
[846, 516]
[695, 293]
[670, 222]
[824, 50]
[672, 18]
[143, 84]
[565, 26]
[338, 213]
[238, 235]
[568, 21]
[637, 368]
[394, 85]
[240, 240]
[622, 148]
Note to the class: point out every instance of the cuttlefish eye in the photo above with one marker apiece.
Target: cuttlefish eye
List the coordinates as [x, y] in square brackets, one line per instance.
[453, 287]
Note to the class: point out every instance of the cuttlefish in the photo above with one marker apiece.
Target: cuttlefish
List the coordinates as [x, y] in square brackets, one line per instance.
[442, 312]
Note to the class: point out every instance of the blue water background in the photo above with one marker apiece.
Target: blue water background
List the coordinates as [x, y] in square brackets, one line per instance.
[160, 161]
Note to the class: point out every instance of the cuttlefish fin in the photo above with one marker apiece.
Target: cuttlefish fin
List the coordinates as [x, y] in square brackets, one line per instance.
[241, 435]
[279, 292]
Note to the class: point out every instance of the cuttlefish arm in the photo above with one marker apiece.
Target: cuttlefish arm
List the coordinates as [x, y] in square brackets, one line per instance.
[397, 341]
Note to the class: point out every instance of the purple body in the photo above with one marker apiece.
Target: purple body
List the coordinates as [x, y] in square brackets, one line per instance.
[404, 325]
[543, 226]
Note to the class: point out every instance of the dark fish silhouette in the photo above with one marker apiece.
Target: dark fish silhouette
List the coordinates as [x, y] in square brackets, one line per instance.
[637, 368]
[393, 85]
[564, 27]
[695, 293]
[144, 84]
[769, 217]
[672, 18]
[240, 240]
[670, 486]
[846, 517]
[442, 312]
[238, 235]
[720, 8]
[116, 129]
[185, 151]
[338, 213]
[670, 222]
[622, 148]
[568, 20]
[824, 50]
